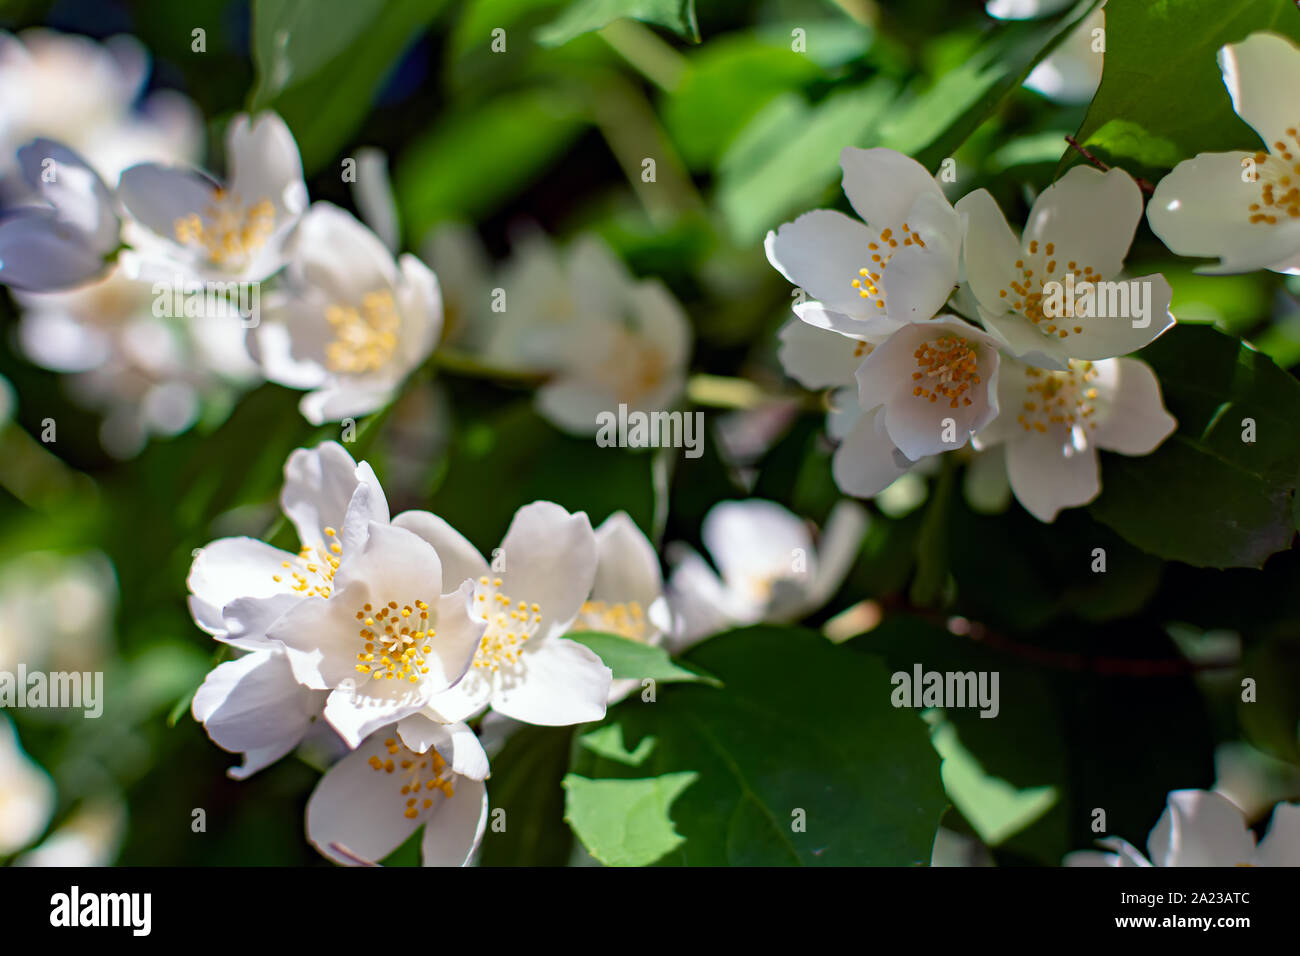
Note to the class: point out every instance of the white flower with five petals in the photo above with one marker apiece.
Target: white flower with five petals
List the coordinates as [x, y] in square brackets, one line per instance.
[350, 323]
[900, 266]
[1243, 207]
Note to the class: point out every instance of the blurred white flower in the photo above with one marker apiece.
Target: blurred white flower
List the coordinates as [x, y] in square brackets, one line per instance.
[26, 793]
[69, 238]
[91, 836]
[1203, 828]
[900, 266]
[528, 597]
[416, 773]
[349, 323]
[146, 374]
[770, 568]
[237, 231]
[74, 598]
[457, 257]
[88, 95]
[1242, 207]
[1054, 422]
[1039, 295]
[627, 596]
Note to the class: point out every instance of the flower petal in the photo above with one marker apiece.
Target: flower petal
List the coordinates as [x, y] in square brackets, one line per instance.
[816, 357]
[1045, 479]
[359, 809]
[1200, 828]
[883, 184]
[867, 461]
[460, 560]
[1262, 73]
[1136, 420]
[562, 683]
[1089, 216]
[821, 252]
[456, 825]
[550, 559]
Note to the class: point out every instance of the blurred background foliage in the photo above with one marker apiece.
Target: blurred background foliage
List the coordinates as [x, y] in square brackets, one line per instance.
[1116, 687]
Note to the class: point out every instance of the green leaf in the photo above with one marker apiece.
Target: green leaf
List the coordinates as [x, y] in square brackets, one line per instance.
[1162, 98]
[525, 783]
[474, 159]
[585, 16]
[633, 660]
[787, 157]
[933, 124]
[802, 733]
[625, 822]
[293, 39]
[725, 84]
[1206, 496]
[326, 109]
[607, 741]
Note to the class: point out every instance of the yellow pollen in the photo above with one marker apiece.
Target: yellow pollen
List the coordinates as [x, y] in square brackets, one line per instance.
[365, 338]
[227, 232]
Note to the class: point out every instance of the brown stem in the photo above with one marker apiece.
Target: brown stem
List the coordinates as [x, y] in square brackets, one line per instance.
[1087, 154]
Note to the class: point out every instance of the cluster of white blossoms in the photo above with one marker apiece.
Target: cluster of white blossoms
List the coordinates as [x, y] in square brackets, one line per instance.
[156, 284]
[1043, 374]
[382, 636]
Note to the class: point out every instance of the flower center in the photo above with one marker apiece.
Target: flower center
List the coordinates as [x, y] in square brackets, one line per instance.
[227, 231]
[1279, 194]
[948, 368]
[626, 619]
[365, 338]
[510, 624]
[868, 281]
[1059, 398]
[420, 774]
[394, 641]
[313, 571]
[1027, 296]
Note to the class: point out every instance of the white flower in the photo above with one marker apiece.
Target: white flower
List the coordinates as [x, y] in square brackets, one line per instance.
[635, 358]
[770, 568]
[146, 374]
[239, 587]
[1024, 9]
[26, 793]
[236, 231]
[549, 295]
[83, 93]
[418, 773]
[67, 241]
[529, 596]
[1203, 828]
[1072, 72]
[254, 706]
[1243, 207]
[627, 596]
[350, 323]
[1040, 295]
[900, 267]
[1053, 422]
